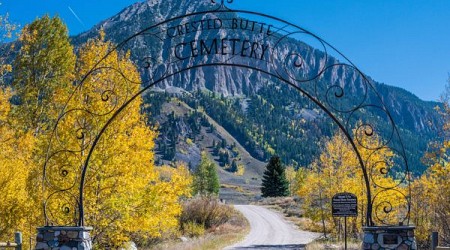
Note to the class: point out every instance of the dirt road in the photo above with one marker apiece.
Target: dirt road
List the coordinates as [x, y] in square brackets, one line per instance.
[269, 230]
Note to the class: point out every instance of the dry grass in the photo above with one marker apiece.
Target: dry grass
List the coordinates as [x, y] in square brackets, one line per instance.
[289, 206]
[239, 189]
[223, 236]
[206, 211]
[291, 209]
[334, 246]
[223, 226]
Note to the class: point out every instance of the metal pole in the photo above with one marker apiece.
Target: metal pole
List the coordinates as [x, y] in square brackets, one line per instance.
[434, 240]
[345, 231]
[18, 240]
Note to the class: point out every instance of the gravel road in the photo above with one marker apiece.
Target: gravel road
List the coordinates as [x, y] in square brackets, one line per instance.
[269, 230]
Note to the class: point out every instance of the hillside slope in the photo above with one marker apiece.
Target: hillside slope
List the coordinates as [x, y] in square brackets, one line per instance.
[265, 135]
[264, 117]
[240, 186]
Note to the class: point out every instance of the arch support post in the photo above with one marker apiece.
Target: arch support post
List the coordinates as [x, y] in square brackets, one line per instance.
[389, 237]
[63, 238]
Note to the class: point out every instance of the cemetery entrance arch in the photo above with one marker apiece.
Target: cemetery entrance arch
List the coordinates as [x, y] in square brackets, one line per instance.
[262, 46]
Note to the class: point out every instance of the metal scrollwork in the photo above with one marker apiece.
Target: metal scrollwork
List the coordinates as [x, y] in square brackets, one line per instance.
[266, 49]
[61, 208]
[222, 1]
[386, 211]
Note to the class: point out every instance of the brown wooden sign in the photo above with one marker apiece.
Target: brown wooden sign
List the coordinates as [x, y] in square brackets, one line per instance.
[344, 205]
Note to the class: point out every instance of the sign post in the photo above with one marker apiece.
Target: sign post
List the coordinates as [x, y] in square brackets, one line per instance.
[344, 205]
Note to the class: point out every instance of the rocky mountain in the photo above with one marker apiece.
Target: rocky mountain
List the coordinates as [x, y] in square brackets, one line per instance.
[263, 117]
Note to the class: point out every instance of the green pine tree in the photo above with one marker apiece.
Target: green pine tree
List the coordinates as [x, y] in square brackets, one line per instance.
[206, 179]
[274, 183]
[234, 166]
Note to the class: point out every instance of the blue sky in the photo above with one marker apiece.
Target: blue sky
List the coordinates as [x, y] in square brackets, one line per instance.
[405, 43]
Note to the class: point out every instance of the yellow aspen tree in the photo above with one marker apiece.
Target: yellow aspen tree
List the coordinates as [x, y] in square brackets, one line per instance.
[15, 152]
[290, 176]
[438, 175]
[423, 207]
[337, 170]
[14, 167]
[7, 32]
[431, 195]
[312, 194]
[43, 73]
[125, 194]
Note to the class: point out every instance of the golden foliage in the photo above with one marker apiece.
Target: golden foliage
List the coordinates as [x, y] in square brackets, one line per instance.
[430, 193]
[430, 210]
[7, 31]
[240, 170]
[125, 196]
[338, 170]
[124, 193]
[14, 168]
[43, 73]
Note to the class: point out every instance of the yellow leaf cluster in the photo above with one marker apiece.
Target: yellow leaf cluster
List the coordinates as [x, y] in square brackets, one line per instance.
[430, 198]
[430, 193]
[15, 155]
[338, 170]
[125, 196]
[7, 30]
[44, 69]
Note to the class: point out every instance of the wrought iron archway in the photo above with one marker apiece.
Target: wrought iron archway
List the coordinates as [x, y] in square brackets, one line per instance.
[263, 45]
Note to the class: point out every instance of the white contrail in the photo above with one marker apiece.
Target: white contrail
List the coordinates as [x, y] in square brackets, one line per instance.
[76, 16]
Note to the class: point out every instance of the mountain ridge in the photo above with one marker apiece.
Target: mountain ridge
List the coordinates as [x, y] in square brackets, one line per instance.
[410, 113]
[240, 89]
[163, 10]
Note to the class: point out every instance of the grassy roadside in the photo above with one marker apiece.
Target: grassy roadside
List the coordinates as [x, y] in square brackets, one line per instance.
[219, 237]
[209, 241]
[318, 245]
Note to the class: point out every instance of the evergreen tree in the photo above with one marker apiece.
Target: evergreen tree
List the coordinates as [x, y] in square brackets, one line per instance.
[216, 149]
[206, 179]
[234, 166]
[274, 182]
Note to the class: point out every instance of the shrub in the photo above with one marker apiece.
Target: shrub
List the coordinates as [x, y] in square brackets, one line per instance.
[192, 229]
[205, 211]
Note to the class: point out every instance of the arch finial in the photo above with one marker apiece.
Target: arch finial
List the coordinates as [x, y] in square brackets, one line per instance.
[222, 1]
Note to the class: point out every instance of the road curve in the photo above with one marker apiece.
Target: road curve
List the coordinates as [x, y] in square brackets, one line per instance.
[269, 230]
